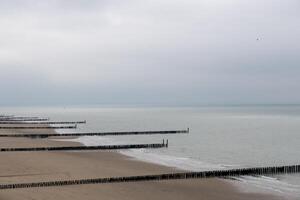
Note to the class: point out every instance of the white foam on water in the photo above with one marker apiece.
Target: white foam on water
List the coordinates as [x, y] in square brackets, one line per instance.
[92, 140]
[147, 155]
[171, 161]
[247, 184]
[268, 185]
[61, 131]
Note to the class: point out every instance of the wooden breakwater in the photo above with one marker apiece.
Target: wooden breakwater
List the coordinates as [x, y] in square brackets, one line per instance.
[160, 177]
[38, 127]
[81, 148]
[32, 135]
[16, 117]
[43, 122]
[23, 119]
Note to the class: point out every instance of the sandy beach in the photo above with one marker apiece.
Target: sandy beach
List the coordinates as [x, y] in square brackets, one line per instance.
[21, 167]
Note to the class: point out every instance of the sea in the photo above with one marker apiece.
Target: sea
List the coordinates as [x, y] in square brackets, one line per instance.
[220, 137]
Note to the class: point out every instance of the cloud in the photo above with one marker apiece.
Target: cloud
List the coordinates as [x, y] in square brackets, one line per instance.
[175, 52]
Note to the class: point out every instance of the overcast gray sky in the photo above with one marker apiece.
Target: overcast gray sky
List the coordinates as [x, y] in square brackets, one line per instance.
[153, 52]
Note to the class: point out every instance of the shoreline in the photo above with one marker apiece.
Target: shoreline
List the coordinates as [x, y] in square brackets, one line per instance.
[21, 167]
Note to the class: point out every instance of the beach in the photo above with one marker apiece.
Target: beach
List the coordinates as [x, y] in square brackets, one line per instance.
[138, 100]
[23, 167]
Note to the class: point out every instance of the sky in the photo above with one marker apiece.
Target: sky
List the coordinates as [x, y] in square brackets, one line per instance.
[150, 52]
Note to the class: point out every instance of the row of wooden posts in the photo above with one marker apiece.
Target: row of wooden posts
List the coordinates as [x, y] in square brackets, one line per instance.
[39, 127]
[33, 135]
[43, 122]
[12, 120]
[86, 148]
[160, 177]
[21, 119]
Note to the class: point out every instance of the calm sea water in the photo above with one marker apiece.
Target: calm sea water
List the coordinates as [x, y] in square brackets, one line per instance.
[220, 137]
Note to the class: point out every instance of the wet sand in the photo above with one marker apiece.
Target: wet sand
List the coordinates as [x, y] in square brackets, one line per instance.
[21, 167]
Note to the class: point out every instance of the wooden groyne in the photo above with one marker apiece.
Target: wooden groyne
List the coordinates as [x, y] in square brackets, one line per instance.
[42, 122]
[32, 135]
[38, 127]
[23, 119]
[81, 148]
[159, 177]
